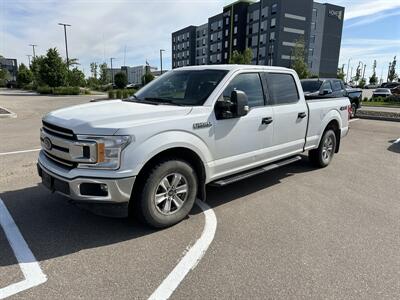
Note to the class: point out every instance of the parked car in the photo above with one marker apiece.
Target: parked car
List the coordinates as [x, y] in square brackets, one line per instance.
[381, 92]
[331, 88]
[390, 85]
[396, 90]
[371, 86]
[155, 152]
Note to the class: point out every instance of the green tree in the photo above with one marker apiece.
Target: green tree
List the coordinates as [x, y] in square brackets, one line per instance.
[93, 69]
[52, 70]
[120, 80]
[103, 74]
[362, 83]
[76, 77]
[340, 74]
[241, 58]
[146, 78]
[358, 73]
[4, 77]
[72, 62]
[373, 79]
[299, 64]
[392, 70]
[24, 76]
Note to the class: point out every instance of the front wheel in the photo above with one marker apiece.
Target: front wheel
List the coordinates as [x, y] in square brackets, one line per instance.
[322, 156]
[168, 194]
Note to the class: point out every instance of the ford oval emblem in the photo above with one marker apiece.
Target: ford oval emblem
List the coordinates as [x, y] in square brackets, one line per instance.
[47, 143]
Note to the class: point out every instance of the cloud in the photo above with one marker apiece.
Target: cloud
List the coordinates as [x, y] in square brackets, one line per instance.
[362, 8]
[373, 18]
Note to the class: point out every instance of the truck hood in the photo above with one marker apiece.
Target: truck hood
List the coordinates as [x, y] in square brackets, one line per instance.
[106, 117]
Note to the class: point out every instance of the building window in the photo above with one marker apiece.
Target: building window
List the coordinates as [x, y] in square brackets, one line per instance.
[204, 42]
[204, 51]
[203, 60]
[219, 46]
[212, 37]
[272, 36]
[273, 22]
[226, 55]
[226, 44]
[226, 32]
[173, 39]
[235, 29]
[255, 28]
[254, 41]
[262, 38]
[249, 42]
[263, 25]
[236, 17]
[187, 35]
[312, 39]
[256, 14]
[204, 32]
[219, 24]
[234, 42]
[187, 44]
[313, 25]
[227, 21]
[218, 57]
[219, 35]
[311, 51]
[274, 8]
[314, 13]
[197, 34]
[264, 12]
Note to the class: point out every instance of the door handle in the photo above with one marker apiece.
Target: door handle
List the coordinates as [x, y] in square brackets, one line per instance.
[302, 115]
[267, 120]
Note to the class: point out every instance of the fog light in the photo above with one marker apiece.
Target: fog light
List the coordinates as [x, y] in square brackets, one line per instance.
[104, 187]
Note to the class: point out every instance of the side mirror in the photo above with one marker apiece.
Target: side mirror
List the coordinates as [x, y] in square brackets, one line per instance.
[326, 92]
[241, 103]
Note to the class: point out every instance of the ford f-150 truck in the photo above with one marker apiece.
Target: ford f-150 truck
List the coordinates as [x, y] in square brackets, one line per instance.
[156, 151]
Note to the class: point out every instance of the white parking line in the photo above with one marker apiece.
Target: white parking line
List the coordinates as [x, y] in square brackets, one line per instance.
[27, 262]
[192, 257]
[18, 152]
[352, 120]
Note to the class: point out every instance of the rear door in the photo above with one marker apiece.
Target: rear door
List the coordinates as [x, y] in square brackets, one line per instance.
[290, 114]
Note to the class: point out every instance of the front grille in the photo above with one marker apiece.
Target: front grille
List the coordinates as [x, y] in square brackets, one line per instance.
[58, 131]
[61, 146]
[63, 162]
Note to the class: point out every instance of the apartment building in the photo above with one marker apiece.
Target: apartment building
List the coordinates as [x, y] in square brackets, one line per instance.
[134, 74]
[270, 28]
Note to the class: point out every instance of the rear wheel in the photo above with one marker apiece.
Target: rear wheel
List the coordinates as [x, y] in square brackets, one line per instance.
[322, 156]
[168, 194]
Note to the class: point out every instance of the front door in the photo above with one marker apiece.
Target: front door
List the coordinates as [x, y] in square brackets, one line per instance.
[240, 142]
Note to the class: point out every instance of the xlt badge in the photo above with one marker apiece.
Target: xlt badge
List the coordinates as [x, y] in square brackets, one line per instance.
[202, 125]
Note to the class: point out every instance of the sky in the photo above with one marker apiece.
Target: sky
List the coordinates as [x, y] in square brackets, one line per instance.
[133, 31]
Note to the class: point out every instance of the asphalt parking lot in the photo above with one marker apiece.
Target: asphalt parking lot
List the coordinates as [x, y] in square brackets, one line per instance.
[296, 232]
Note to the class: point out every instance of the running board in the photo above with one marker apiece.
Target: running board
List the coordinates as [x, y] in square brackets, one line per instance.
[253, 172]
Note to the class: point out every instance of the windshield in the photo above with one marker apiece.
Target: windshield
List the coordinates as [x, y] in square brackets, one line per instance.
[187, 87]
[382, 90]
[311, 86]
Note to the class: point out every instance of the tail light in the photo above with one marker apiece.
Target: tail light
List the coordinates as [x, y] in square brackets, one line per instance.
[349, 108]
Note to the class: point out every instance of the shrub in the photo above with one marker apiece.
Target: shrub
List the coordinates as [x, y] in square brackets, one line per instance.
[119, 94]
[111, 94]
[125, 94]
[44, 89]
[394, 98]
[86, 91]
[66, 90]
[365, 99]
[121, 80]
[29, 87]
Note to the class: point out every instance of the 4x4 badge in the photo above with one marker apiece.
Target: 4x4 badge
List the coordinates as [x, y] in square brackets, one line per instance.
[202, 125]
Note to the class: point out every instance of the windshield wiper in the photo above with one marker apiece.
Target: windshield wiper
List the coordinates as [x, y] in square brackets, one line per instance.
[136, 99]
[162, 100]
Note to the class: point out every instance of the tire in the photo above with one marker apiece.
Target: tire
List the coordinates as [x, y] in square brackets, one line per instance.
[322, 156]
[353, 110]
[168, 194]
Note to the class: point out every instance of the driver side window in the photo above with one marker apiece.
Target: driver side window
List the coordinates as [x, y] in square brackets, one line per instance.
[326, 86]
[250, 83]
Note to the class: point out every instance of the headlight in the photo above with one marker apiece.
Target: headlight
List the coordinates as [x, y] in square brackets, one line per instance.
[109, 150]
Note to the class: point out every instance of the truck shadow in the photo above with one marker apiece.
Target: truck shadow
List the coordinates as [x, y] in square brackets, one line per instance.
[53, 227]
[394, 147]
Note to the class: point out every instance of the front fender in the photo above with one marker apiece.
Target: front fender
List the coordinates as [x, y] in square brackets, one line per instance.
[137, 157]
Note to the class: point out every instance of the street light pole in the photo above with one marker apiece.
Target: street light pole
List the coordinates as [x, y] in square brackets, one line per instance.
[33, 48]
[161, 51]
[66, 43]
[112, 70]
[347, 73]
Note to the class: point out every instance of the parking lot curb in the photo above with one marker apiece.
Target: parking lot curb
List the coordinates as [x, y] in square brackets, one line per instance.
[7, 114]
[378, 115]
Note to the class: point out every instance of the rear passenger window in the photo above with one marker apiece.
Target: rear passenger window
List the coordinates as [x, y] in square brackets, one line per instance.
[282, 88]
[249, 83]
[336, 85]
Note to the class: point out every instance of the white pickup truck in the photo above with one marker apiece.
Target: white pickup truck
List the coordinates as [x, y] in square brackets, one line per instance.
[155, 152]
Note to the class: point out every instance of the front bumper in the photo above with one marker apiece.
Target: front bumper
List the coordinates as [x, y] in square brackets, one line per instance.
[118, 190]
